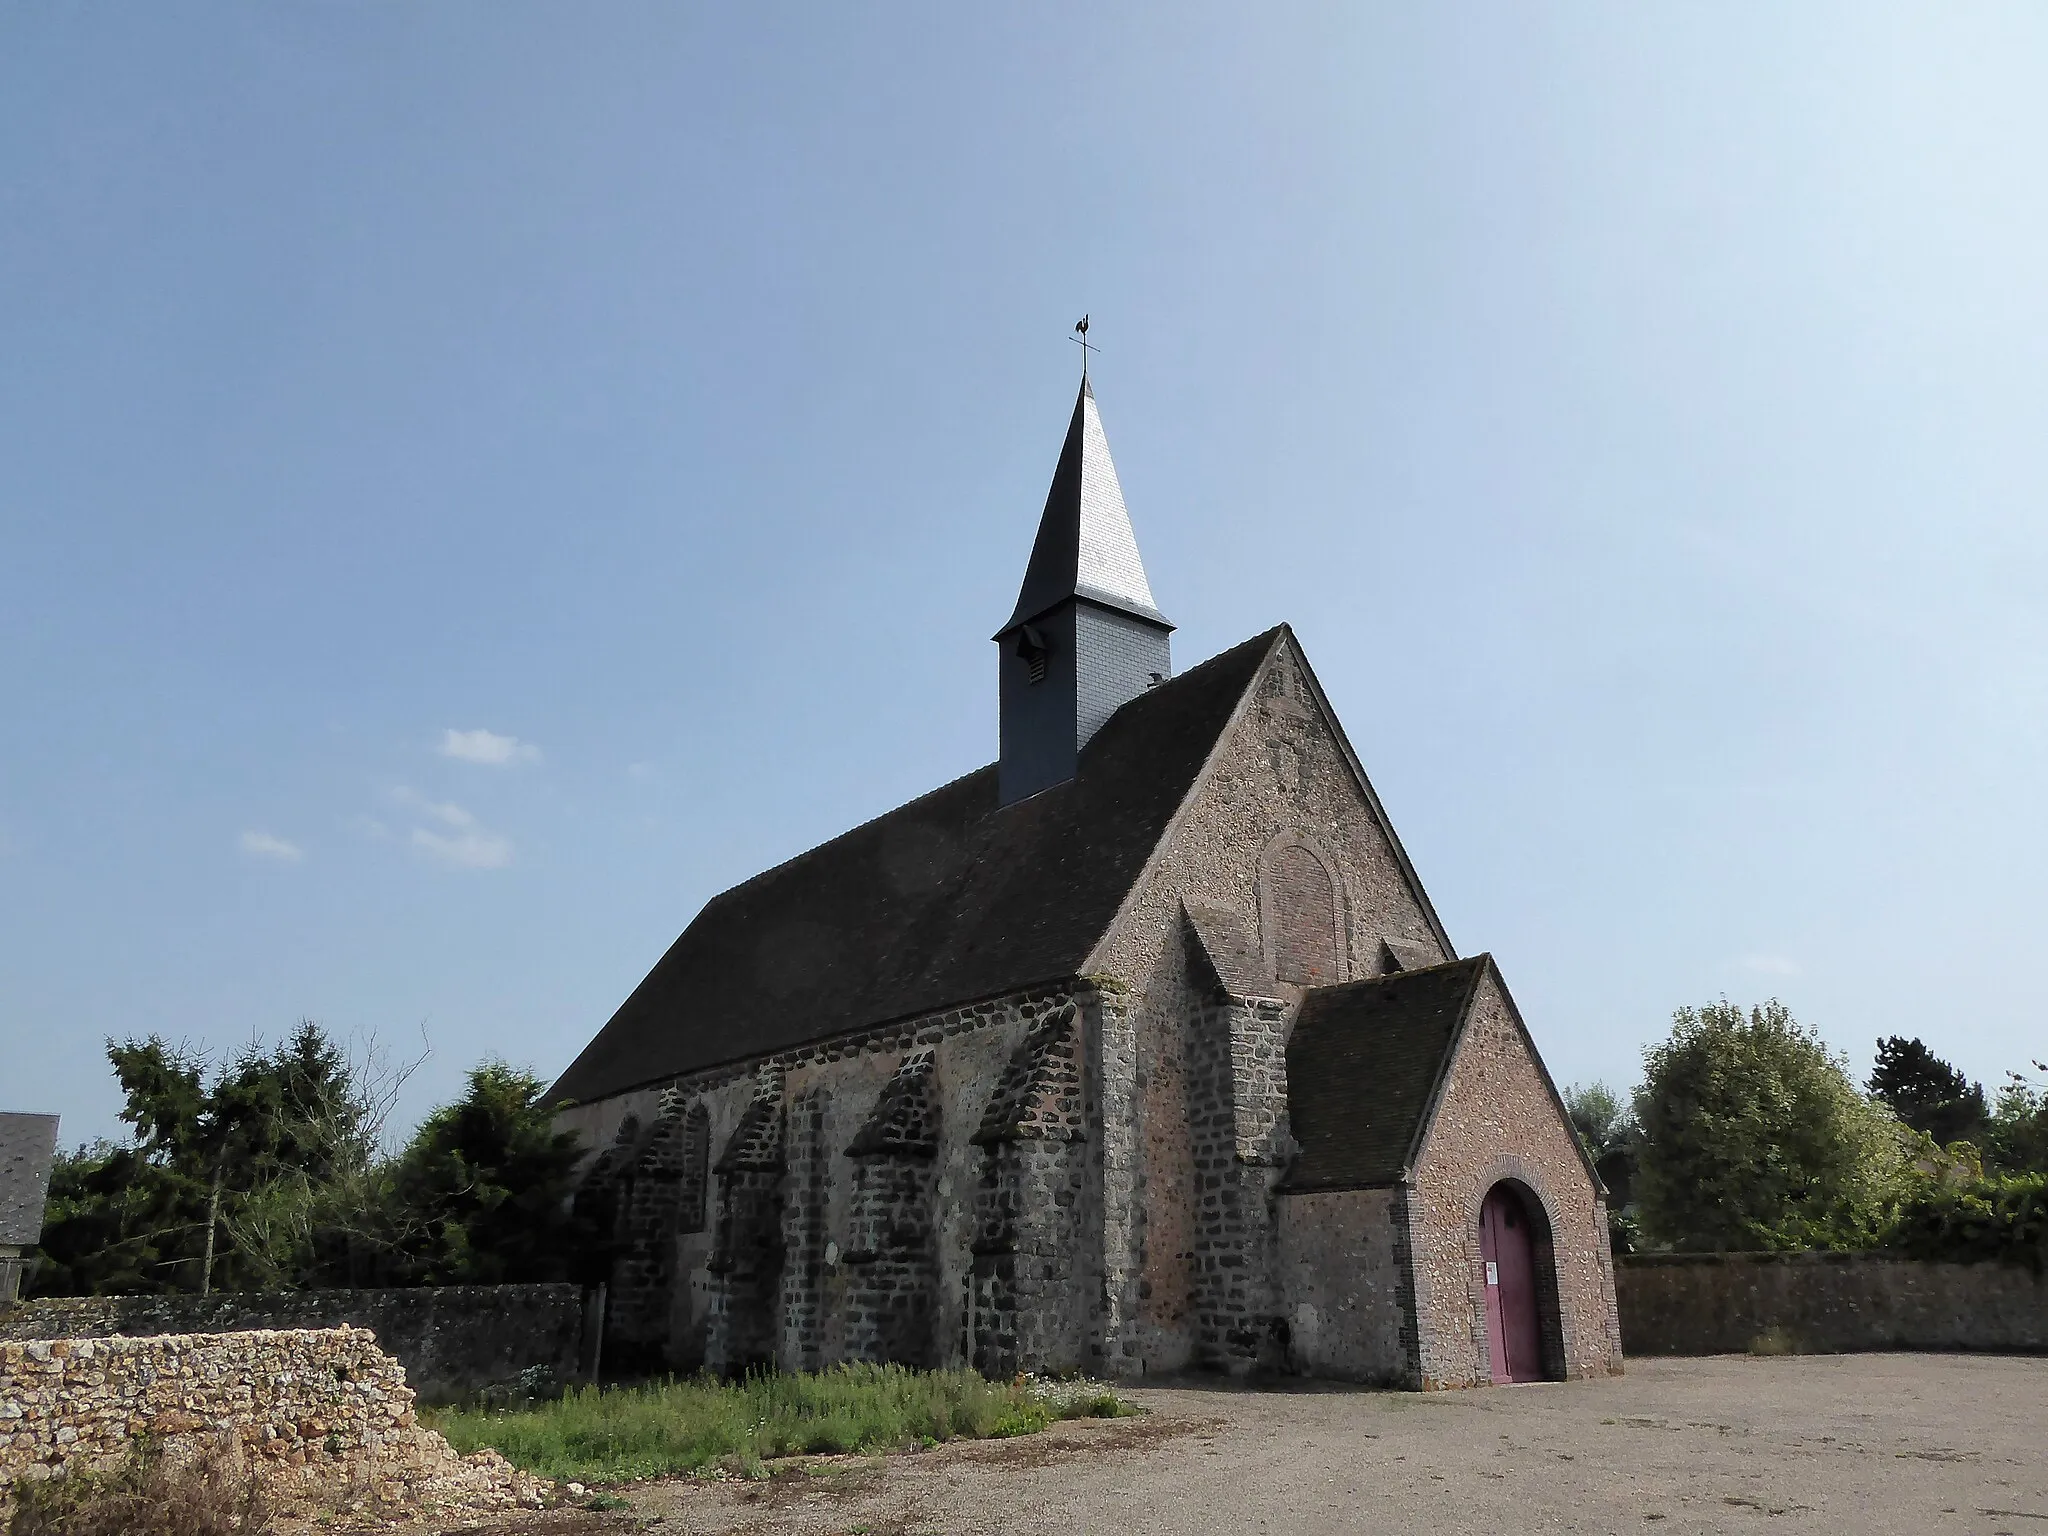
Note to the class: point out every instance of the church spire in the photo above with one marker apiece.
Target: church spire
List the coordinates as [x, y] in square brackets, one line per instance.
[1085, 546]
[1086, 636]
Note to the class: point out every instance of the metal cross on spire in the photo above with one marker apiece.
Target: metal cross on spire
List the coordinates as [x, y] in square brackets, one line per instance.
[1081, 335]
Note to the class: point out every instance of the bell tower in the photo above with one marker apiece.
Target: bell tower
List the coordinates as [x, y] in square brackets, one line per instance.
[1086, 636]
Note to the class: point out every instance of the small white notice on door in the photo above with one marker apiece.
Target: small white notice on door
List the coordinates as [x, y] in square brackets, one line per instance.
[1492, 1273]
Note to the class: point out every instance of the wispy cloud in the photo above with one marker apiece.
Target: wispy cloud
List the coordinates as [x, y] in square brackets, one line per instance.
[481, 746]
[1772, 965]
[473, 849]
[641, 771]
[447, 812]
[464, 844]
[262, 845]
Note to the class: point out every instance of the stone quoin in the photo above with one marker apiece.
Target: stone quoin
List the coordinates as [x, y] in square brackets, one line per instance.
[1139, 1050]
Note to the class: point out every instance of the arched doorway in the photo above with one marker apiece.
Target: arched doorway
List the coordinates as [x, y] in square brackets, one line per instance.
[1510, 1237]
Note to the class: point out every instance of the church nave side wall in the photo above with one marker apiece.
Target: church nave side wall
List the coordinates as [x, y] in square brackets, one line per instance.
[826, 1235]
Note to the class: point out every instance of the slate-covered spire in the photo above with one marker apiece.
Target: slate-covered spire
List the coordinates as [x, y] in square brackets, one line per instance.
[1086, 636]
[1085, 545]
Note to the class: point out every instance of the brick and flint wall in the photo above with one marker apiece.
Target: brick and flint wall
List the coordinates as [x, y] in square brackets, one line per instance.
[1497, 1121]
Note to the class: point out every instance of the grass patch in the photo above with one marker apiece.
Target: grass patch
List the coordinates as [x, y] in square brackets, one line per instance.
[676, 1427]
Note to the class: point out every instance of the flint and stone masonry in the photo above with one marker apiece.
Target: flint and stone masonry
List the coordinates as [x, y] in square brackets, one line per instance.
[318, 1416]
[1140, 1050]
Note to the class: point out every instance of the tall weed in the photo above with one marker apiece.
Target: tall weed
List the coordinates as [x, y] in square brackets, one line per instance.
[146, 1495]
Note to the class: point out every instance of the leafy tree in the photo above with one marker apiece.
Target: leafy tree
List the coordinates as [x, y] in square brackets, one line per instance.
[127, 1218]
[1927, 1093]
[267, 1173]
[484, 1186]
[1607, 1127]
[182, 1206]
[2016, 1134]
[1753, 1136]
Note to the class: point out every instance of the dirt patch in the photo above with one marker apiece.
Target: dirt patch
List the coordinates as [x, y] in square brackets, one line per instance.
[550, 1522]
[1884, 1445]
[1075, 1438]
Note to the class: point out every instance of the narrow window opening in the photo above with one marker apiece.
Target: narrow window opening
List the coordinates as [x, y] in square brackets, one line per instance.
[1032, 648]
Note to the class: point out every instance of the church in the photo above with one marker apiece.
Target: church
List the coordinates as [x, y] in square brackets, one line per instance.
[1139, 1050]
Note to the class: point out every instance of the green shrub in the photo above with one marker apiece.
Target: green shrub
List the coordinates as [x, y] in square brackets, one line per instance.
[1754, 1137]
[672, 1427]
[1999, 1216]
[146, 1495]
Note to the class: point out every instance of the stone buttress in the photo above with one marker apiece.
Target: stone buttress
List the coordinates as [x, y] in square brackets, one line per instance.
[1028, 1258]
[744, 1325]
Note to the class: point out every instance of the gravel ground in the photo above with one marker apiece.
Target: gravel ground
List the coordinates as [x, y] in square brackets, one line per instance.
[1842, 1443]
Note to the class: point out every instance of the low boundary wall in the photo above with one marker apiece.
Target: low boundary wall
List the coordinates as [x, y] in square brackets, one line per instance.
[452, 1340]
[315, 1415]
[1825, 1303]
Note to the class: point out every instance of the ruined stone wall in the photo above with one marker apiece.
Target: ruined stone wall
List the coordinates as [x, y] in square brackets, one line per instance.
[1497, 1120]
[314, 1413]
[1343, 1277]
[453, 1340]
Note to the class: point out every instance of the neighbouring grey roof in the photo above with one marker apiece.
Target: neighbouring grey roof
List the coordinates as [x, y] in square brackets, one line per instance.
[946, 900]
[28, 1143]
[1085, 547]
[1363, 1066]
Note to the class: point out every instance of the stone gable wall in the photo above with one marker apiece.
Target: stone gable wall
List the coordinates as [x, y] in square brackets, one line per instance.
[1279, 780]
[316, 1414]
[1497, 1121]
[1206, 1080]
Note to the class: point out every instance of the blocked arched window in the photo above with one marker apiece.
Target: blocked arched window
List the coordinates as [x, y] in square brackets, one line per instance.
[1304, 935]
[696, 1169]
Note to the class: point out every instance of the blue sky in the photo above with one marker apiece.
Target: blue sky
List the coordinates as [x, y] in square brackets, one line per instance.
[478, 479]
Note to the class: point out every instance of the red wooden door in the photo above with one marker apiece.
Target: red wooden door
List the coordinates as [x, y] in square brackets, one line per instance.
[1508, 1245]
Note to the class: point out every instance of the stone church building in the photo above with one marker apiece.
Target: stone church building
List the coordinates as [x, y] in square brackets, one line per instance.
[1140, 1049]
